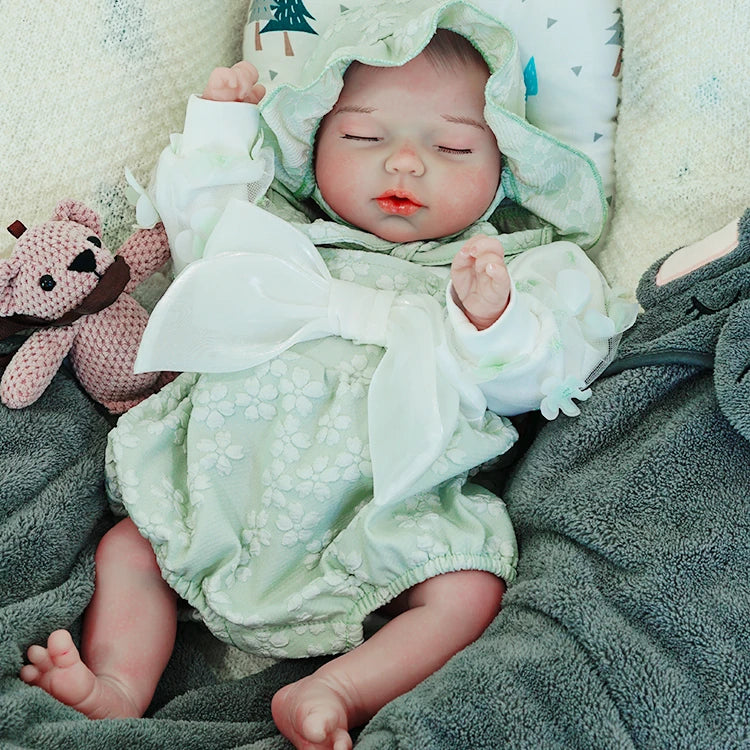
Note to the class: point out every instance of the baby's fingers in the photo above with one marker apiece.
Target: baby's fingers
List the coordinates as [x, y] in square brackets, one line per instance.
[489, 262]
[461, 261]
[257, 92]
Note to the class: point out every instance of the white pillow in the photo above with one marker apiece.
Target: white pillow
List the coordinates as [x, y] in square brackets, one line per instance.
[87, 89]
[569, 49]
[682, 146]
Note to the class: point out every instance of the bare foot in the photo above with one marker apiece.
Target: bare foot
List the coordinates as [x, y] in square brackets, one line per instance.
[312, 714]
[59, 671]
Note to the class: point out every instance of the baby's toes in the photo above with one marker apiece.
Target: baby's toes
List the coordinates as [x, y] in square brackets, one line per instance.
[62, 650]
[30, 674]
[39, 657]
[342, 740]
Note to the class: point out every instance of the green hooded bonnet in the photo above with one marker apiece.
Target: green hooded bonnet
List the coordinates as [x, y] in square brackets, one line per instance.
[547, 178]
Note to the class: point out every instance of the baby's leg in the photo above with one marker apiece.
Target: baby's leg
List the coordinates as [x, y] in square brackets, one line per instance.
[128, 635]
[438, 618]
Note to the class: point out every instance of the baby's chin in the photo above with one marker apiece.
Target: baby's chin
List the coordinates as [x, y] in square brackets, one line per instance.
[398, 229]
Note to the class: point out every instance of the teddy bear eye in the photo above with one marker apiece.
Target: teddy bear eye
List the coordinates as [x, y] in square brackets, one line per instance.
[94, 241]
[47, 283]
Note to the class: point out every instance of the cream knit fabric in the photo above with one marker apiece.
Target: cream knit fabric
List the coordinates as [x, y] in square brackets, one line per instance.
[88, 87]
[682, 148]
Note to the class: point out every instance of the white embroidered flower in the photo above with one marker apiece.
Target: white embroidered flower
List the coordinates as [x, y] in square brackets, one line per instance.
[219, 453]
[396, 283]
[275, 474]
[501, 548]
[451, 460]
[342, 584]
[267, 642]
[218, 598]
[240, 574]
[176, 424]
[354, 462]
[170, 423]
[317, 478]
[298, 389]
[351, 560]
[169, 516]
[348, 271]
[488, 506]
[355, 375]
[315, 628]
[330, 427]
[299, 599]
[211, 406]
[417, 557]
[278, 366]
[415, 508]
[199, 484]
[296, 524]
[258, 398]
[130, 479]
[597, 326]
[255, 534]
[315, 547]
[290, 440]
[278, 485]
[124, 437]
[431, 546]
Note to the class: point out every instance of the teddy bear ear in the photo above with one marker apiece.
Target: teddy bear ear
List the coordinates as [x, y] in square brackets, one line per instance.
[8, 271]
[17, 228]
[72, 210]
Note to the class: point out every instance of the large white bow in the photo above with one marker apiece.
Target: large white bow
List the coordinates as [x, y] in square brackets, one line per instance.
[262, 286]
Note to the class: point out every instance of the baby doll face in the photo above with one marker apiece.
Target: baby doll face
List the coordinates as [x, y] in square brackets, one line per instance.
[405, 153]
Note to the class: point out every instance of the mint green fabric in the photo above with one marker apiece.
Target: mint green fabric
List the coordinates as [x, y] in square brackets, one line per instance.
[255, 489]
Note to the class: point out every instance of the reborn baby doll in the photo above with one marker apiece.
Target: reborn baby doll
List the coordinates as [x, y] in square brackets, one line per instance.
[312, 464]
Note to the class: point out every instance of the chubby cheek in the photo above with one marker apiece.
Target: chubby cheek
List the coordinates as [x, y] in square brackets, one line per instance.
[337, 179]
[466, 197]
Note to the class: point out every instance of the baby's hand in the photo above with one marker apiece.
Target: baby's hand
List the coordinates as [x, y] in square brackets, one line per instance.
[236, 84]
[481, 284]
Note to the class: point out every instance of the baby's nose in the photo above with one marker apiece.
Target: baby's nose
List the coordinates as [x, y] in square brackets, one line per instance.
[405, 160]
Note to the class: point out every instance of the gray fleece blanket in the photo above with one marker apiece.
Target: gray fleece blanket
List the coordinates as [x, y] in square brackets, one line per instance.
[626, 628]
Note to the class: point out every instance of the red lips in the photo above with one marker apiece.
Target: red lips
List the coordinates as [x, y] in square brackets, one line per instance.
[398, 202]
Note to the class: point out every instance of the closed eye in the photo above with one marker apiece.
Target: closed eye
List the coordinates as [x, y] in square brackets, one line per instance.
[446, 150]
[350, 137]
[697, 309]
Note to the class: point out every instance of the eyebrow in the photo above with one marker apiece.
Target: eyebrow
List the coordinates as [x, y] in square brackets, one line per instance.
[461, 120]
[458, 119]
[354, 108]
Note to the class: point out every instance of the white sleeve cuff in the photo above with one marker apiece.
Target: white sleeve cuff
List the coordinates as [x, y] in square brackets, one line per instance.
[513, 333]
[220, 127]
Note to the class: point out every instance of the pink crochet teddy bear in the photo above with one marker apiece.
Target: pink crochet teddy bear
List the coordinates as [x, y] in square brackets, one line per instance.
[63, 282]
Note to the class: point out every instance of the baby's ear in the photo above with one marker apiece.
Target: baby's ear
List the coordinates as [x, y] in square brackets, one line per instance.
[72, 210]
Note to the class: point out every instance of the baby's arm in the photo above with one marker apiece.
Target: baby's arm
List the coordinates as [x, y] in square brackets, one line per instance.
[560, 327]
[236, 84]
[217, 158]
[480, 281]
